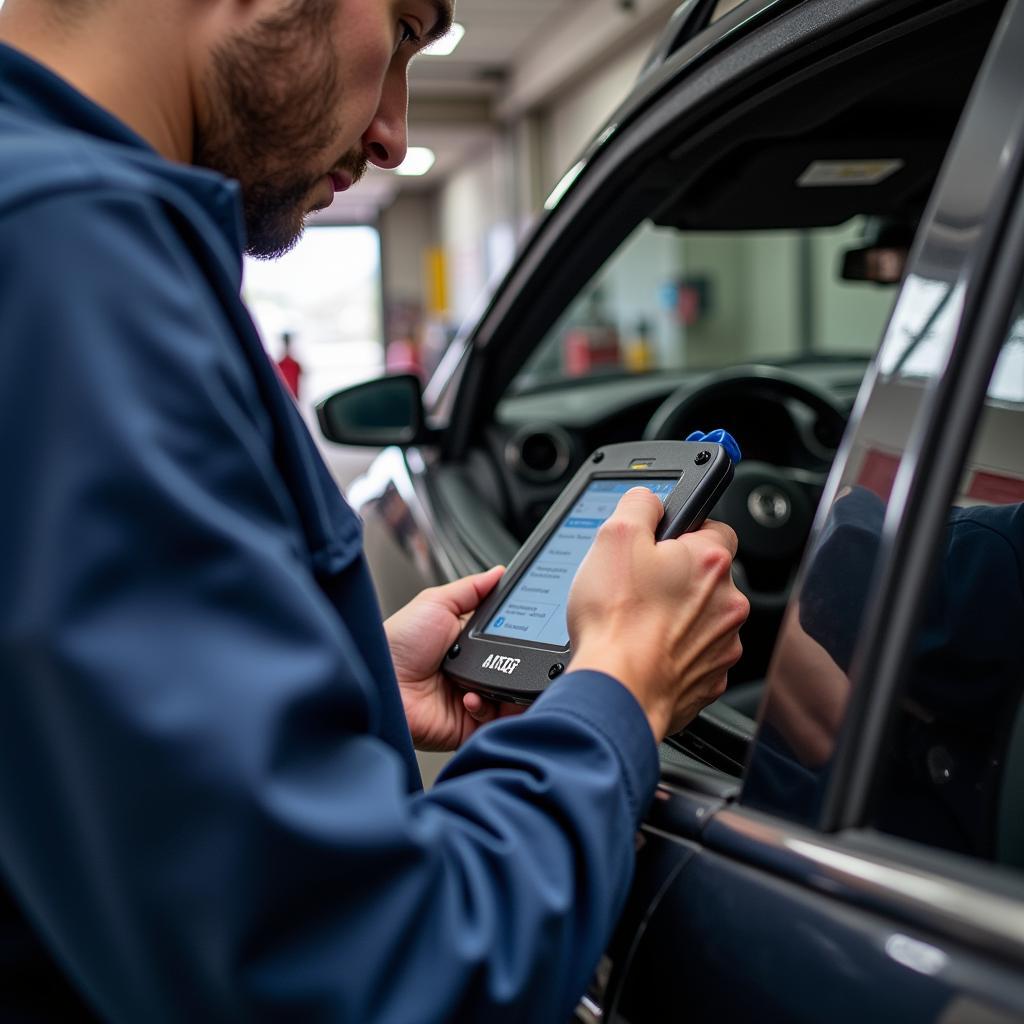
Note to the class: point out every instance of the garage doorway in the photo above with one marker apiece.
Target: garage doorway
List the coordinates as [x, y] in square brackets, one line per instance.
[326, 295]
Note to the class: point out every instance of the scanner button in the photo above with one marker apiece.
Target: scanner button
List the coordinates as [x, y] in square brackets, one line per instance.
[598, 457]
[556, 670]
[455, 650]
[703, 457]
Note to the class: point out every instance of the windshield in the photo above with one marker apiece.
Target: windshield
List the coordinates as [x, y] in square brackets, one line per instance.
[671, 300]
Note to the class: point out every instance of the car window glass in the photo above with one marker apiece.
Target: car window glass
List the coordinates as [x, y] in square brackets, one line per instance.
[953, 770]
[671, 300]
[918, 348]
[809, 681]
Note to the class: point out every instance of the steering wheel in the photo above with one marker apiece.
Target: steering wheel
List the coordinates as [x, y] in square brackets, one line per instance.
[770, 506]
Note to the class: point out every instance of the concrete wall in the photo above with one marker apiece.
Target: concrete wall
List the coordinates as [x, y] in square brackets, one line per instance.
[569, 123]
[475, 217]
[471, 217]
[408, 228]
[843, 311]
[488, 205]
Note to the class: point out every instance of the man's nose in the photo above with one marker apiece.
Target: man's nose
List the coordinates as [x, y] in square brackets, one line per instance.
[386, 140]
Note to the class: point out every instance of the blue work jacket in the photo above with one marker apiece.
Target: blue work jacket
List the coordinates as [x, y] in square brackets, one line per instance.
[209, 804]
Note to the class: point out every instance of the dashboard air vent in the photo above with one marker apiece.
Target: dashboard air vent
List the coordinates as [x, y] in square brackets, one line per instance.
[541, 454]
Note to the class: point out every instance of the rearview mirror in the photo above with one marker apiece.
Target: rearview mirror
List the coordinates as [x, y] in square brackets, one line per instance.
[881, 264]
[882, 254]
[378, 413]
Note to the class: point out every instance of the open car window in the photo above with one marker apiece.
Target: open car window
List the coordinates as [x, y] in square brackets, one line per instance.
[676, 300]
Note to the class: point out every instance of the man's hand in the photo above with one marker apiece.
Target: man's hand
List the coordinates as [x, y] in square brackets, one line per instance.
[661, 618]
[441, 716]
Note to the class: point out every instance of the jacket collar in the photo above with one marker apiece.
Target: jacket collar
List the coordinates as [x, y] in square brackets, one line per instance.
[29, 87]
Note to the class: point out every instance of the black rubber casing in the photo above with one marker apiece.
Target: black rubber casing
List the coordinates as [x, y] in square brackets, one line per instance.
[523, 669]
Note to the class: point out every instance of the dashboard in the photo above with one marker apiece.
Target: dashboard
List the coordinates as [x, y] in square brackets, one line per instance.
[538, 440]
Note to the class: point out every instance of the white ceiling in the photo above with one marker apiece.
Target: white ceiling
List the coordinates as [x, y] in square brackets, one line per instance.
[498, 33]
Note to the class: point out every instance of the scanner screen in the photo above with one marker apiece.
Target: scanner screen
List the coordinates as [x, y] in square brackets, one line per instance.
[534, 609]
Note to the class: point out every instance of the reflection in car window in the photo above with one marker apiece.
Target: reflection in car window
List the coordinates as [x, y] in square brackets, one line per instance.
[953, 770]
[916, 346]
[809, 683]
[670, 300]
[953, 775]
[1008, 380]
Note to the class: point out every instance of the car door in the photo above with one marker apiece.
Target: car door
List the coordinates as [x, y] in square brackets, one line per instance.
[870, 865]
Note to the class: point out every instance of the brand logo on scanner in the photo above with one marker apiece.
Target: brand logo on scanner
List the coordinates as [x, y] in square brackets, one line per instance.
[506, 665]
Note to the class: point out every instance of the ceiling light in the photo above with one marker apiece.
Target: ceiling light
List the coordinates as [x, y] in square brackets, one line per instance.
[446, 43]
[418, 160]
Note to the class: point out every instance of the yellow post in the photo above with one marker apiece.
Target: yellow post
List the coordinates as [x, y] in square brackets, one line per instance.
[437, 283]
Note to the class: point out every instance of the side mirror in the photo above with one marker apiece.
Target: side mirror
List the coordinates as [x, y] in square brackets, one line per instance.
[381, 412]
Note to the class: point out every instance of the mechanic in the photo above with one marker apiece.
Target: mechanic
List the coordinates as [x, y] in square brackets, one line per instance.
[211, 808]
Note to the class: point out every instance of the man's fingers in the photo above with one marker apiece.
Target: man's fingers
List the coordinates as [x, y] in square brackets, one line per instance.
[462, 596]
[725, 533]
[482, 710]
[638, 506]
[479, 710]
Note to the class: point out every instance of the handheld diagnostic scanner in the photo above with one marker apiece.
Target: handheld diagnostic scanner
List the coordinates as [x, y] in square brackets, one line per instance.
[517, 641]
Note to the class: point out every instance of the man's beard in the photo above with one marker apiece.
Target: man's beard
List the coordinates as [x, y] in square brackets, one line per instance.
[270, 114]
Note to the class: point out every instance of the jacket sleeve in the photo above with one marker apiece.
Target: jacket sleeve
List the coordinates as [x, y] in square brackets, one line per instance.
[196, 814]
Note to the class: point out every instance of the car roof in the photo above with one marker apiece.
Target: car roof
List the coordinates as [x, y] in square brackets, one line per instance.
[898, 103]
